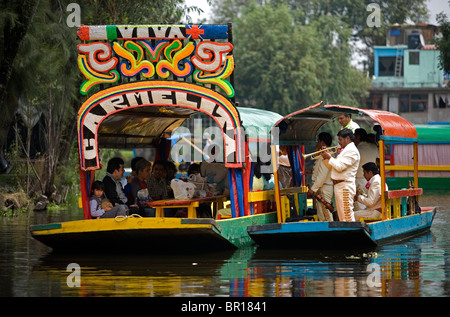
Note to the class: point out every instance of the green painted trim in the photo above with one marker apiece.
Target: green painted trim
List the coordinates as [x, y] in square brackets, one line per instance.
[427, 183]
[389, 139]
[235, 229]
[111, 32]
[46, 227]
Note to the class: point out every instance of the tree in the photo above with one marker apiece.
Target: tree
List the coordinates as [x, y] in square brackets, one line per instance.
[15, 19]
[282, 66]
[39, 50]
[353, 13]
[443, 42]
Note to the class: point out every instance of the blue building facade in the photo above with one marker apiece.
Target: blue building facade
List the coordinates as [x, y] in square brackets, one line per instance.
[407, 79]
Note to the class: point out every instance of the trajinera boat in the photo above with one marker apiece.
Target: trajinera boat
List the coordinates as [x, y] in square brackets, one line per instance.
[142, 83]
[434, 161]
[402, 215]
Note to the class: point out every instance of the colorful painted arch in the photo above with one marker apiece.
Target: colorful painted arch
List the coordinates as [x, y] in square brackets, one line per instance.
[140, 112]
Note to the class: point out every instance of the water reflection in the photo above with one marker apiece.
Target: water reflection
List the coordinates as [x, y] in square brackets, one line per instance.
[414, 267]
[135, 275]
[404, 270]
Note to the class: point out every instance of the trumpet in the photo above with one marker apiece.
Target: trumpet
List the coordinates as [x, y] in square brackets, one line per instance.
[316, 155]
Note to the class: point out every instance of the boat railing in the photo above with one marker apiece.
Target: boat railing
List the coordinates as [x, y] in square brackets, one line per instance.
[397, 202]
[421, 168]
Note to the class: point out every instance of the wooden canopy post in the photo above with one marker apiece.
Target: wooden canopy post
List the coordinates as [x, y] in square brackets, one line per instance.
[86, 180]
[383, 180]
[416, 167]
[277, 184]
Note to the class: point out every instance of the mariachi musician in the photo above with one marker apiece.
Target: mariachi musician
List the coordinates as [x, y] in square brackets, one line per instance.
[343, 173]
[322, 186]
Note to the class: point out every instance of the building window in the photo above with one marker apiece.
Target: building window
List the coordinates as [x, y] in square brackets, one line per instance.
[375, 102]
[441, 100]
[414, 58]
[413, 102]
[386, 66]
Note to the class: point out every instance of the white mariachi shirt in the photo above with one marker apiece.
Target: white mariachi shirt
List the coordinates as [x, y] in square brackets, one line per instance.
[345, 165]
[373, 197]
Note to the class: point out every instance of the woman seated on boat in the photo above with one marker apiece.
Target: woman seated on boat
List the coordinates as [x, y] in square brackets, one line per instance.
[372, 200]
[139, 191]
[100, 206]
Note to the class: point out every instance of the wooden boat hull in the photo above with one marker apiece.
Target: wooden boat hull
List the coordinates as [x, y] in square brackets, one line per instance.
[339, 235]
[148, 234]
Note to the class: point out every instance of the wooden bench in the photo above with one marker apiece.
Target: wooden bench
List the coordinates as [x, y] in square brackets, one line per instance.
[190, 204]
[264, 195]
[398, 198]
[268, 194]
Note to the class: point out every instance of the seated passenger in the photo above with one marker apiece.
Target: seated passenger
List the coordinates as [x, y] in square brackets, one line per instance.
[171, 172]
[204, 209]
[372, 200]
[262, 181]
[284, 168]
[101, 207]
[113, 185]
[112, 181]
[139, 188]
[216, 173]
[129, 177]
[156, 184]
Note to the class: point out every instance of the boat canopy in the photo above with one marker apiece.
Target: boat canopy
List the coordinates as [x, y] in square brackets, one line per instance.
[304, 124]
[258, 122]
[433, 133]
[144, 126]
[140, 127]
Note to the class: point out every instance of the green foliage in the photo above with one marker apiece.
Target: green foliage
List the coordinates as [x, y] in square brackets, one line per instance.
[43, 77]
[443, 42]
[350, 13]
[282, 66]
[101, 12]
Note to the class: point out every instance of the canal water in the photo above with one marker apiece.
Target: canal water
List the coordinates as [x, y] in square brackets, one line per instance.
[417, 267]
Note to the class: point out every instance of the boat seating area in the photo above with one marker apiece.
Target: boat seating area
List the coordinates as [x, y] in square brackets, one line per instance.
[397, 202]
[263, 201]
[191, 204]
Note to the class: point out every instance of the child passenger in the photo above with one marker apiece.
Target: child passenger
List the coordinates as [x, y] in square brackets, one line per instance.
[100, 208]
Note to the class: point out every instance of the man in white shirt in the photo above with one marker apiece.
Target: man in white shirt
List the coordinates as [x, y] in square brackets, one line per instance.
[321, 178]
[372, 200]
[368, 152]
[346, 122]
[343, 173]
